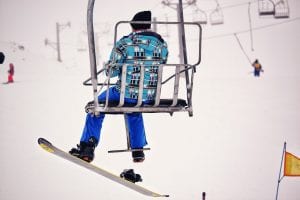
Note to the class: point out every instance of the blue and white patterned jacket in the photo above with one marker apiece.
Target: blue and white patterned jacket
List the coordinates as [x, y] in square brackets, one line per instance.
[139, 48]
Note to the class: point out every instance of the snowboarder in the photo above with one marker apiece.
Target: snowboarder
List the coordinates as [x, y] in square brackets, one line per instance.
[141, 46]
[2, 57]
[257, 68]
[11, 73]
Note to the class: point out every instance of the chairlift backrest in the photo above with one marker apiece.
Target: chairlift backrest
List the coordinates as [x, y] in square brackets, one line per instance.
[266, 7]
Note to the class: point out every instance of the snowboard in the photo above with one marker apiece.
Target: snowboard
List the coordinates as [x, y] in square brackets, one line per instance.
[46, 145]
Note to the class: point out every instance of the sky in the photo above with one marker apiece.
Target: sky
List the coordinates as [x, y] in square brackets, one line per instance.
[231, 148]
[30, 22]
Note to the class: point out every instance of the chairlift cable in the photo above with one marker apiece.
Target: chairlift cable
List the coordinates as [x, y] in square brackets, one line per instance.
[250, 26]
[247, 30]
[239, 42]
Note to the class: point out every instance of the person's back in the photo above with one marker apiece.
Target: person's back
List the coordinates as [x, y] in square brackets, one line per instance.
[145, 48]
[257, 68]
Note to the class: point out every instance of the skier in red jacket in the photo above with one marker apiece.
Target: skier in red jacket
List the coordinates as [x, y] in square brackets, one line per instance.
[11, 73]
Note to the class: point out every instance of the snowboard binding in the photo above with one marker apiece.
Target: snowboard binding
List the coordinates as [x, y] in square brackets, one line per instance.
[129, 175]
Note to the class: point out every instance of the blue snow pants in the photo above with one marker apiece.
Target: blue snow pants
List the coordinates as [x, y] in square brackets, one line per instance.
[256, 72]
[93, 124]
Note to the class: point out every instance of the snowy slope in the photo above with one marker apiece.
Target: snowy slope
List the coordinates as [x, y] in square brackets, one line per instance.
[231, 148]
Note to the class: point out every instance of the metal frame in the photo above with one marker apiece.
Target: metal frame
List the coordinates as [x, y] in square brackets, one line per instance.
[159, 106]
[147, 108]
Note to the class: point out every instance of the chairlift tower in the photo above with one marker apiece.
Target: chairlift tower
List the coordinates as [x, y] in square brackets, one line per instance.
[182, 43]
[155, 27]
[56, 45]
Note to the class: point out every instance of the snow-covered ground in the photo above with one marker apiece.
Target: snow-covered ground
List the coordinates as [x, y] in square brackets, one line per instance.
[231, 148]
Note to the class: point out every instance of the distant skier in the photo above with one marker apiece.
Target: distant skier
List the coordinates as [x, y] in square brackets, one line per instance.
[257, 68]
[203, 195]
[11, 73]
[2, 57]
[141, 47]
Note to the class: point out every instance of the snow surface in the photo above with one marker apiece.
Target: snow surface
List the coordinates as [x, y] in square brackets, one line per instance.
[231, 148]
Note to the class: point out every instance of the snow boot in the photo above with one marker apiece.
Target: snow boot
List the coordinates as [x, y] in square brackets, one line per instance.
[85, 150]
[138, 156]
[129, 175]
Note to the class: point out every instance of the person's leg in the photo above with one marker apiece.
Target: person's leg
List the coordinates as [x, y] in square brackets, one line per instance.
[92, 128]
[10, 78]
[93, 124]
[91, 132]
[136, 130]
[137, 135]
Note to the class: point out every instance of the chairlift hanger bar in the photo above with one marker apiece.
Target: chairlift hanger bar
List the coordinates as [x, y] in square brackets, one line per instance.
[163, 22]
[92, 54]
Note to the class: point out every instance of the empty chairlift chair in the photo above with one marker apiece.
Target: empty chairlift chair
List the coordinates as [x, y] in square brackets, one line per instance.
[216, 16]
[266, 7]
[199, 16]
[282, 9]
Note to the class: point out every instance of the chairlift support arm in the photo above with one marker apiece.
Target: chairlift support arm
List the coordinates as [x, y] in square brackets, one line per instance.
[92, 54]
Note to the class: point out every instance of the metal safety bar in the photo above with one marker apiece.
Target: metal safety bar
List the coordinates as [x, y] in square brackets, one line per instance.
[173, 104]
[170, 23]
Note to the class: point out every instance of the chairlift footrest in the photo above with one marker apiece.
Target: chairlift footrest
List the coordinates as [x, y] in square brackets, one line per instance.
[128, 150]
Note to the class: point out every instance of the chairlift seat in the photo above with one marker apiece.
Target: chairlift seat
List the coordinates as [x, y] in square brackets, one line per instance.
[165, 105]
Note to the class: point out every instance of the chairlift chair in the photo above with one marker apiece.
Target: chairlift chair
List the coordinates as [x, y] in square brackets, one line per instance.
[266, 7]
[200, 16]
[216, 16]
[282, 9]
[159, 105]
